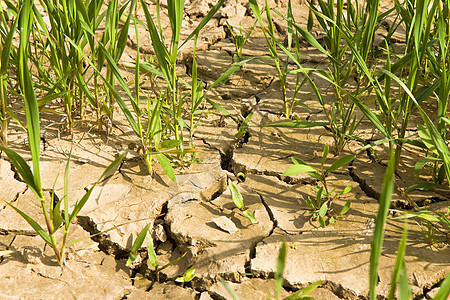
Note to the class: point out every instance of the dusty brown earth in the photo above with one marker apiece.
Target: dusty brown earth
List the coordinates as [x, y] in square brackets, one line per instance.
[181, 215]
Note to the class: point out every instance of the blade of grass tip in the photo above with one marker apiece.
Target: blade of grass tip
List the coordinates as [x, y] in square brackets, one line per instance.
[137, 244]
[167, 166]
[398, 262]
[26, 85]
[203, 22]
[229, 289]
[300, 295]
[297, 124]
[444, 290]
[22, 168]
[281, 262]
[39, 230]
[151, 252]
[236, 195]
[340, 162]
[160, 49]
[380, 222]
[441, 146]
[80, 204]
[404, 291]
[6, 51]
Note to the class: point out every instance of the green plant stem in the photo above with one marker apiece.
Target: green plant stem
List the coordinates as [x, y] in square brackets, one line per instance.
[4, 124]
[50, 230]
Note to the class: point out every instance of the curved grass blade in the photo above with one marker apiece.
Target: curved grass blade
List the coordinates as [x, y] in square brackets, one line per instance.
[23, 169]
[39, 230]
[281, 263]
[340, 162]
[399, 261]
[229, 290]
[380, 222]
[26, 86]
[166, 165]
[236, 195]
[137, 244]
[297, 169]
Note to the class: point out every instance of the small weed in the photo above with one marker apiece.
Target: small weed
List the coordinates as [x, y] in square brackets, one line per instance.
[322, 205]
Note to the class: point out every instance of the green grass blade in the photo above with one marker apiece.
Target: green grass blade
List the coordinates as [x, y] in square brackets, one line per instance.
[160, 49]
[151, 252]
[23, 169]
[166, 165]
[380, 223]
[236, 195]
[39, 230]
[6, 48]
[281, 262]
[444, 290]
[249, 215]
[297, 169]
[399, 261]
[229, 290]
[204, 21]
[137, 244]
[26, 86]
[340, 162]
[438, 141]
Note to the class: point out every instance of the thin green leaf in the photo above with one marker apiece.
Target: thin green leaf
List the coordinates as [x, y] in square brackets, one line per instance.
[345, 208]
[322, 222]
[249, 215]
[326, 150]
[300, 294]
[151, 252]
[229, 290]
[421, 186]
[399, 262]
[138, 243]
[380, 222]
[281, 262]
[39, 230]
[340, 162]
[166, 165]
[347, 190]
[323, 210]
[444, 290]
[23, 169]
[27, 88]
[236, 195]
[296, 169]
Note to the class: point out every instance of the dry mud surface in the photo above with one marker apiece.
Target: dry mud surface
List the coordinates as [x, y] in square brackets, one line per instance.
[182, 214]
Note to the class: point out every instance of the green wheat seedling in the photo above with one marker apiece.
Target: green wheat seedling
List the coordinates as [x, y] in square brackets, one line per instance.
[239, 40]
[239, 202]
[159, 126]
[322, 205]
[151, 254]
[53, 214]
[273, 44]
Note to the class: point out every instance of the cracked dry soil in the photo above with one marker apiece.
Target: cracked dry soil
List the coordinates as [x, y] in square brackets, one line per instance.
[181, 214]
